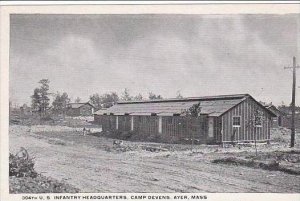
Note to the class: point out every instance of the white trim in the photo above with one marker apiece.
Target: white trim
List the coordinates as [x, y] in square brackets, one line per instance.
[117, 122]
[222, 130]
[211, 127]
[159, 124]
[132, 123]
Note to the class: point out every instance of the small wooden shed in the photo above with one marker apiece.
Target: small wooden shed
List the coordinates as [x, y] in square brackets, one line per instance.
[80, 109]
[277, 120]
[222, 119]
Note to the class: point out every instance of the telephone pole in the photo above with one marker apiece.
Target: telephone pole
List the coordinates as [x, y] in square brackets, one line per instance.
[294, 67]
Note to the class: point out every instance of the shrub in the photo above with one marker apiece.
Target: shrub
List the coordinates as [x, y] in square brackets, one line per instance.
[21, 166]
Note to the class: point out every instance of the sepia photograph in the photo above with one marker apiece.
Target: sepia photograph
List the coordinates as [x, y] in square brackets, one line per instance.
[153, 103]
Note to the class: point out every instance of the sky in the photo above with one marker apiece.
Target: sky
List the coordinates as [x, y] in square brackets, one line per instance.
[196, 55]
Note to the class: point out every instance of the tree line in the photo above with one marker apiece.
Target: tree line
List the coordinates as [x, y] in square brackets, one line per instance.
[107, 100]
[40, 100]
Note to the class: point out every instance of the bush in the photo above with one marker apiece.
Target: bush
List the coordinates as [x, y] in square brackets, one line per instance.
[47, 118]
[21, 166]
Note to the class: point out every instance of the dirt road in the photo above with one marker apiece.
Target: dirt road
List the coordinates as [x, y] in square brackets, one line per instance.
[87, 163]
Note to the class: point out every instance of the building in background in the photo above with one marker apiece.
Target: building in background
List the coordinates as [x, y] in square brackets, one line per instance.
[276, 121]
[80, 109]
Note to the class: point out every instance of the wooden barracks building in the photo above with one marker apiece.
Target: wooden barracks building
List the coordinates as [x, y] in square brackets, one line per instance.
[222, 119]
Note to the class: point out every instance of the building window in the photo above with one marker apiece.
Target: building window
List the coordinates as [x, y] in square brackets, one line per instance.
[258, 121]
[236, 121]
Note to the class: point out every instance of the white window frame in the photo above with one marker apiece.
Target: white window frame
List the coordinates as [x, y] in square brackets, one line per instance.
[236, 126]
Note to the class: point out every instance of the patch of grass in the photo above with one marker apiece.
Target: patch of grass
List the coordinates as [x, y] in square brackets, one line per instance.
[56, 142]
[234, 161]
[272, 165]
[292, 156]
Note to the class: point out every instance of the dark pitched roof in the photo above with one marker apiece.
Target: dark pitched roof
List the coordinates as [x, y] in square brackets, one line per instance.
[211, 105]
[274, 109]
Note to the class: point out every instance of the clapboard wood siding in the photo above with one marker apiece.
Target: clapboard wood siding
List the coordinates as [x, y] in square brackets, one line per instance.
[246, 132]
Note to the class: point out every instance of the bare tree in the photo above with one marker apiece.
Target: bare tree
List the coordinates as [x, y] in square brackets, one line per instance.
[77, 100]
[153, 96]
[36, 100]
[192, 113]
[109, 99]
[60, 103]
[45, 101]
[178, 94]
[138, 97]
[126, 96]
[255, 120]
[96, 100]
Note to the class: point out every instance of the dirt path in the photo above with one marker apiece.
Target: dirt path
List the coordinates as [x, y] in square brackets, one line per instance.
[93, 169]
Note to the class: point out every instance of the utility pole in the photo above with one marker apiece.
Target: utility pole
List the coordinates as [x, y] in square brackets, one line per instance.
[294, 67]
